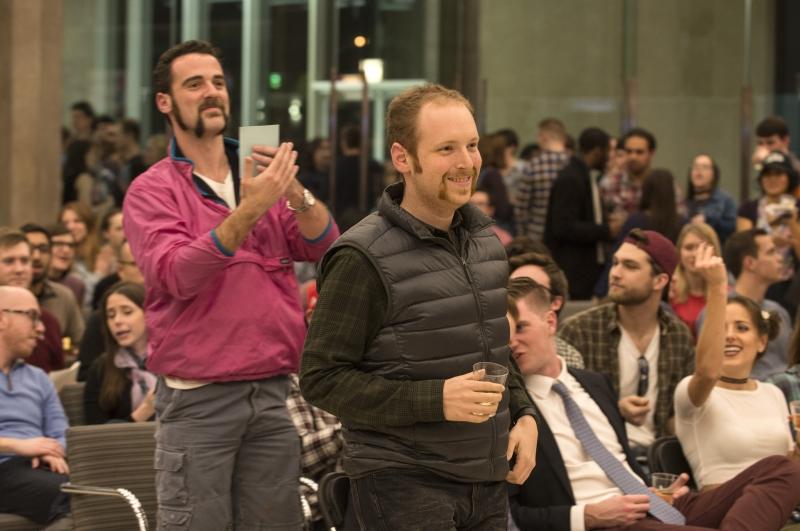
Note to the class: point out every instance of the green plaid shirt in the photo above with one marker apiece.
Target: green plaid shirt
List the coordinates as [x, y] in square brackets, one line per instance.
[350, 311]
[596, 334]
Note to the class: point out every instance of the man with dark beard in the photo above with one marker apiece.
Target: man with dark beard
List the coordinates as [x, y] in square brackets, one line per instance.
[225, 323]
[643, 348]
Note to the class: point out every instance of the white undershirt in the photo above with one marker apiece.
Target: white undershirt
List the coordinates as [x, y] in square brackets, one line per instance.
[645, 434]
[589, 483]
[223, 189]
[732, 430]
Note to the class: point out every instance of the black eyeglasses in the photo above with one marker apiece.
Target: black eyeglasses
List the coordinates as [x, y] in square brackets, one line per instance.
[71, 245]
[33, 315]
[644, 377]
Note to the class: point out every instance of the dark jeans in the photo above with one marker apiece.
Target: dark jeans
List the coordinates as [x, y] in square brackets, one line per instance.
[34, 493]
[400, 499]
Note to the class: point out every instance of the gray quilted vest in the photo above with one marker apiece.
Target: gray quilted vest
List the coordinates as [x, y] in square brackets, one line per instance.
[446, 311]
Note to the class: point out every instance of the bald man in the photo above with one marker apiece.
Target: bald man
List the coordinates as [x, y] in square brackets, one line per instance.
[33, 425]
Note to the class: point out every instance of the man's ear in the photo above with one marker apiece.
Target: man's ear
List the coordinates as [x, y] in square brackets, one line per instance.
[163, 102]
[748, 263]
[401, 159]
[660, 282]
[552, 321]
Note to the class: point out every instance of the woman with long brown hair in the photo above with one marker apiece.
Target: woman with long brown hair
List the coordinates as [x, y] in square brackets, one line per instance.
[119, 387]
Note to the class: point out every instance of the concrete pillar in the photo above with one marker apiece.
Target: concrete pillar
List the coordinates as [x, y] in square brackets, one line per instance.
[30, 110]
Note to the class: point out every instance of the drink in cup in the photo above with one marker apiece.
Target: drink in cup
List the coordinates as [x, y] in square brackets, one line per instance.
[794, 409]
[663, 482]
[493, 372]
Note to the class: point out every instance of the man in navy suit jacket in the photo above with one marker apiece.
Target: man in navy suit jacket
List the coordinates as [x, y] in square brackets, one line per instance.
[569, 491]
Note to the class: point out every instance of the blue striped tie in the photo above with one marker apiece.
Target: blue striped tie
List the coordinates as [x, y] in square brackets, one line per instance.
[623, 479]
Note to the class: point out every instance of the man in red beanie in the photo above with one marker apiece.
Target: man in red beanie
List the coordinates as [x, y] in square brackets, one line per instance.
[642, 347]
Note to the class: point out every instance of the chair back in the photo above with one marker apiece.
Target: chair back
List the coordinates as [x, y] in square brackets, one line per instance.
[71, 396]
[18, 523]
[118, 455]
[66, 376]
[666, 455]
[334, 494]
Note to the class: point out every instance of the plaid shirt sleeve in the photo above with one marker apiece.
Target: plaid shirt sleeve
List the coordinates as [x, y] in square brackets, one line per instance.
[350, 311]
[320, 435]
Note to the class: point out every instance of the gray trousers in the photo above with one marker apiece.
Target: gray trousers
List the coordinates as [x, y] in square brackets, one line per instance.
[227, 457]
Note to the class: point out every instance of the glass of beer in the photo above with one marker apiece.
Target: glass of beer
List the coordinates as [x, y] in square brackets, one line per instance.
[492, 372]
[663, 482]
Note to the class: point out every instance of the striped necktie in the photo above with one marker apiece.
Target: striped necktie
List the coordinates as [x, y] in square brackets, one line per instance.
[617, 473]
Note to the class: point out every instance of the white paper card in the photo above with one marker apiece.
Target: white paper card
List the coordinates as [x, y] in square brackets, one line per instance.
[254, 135]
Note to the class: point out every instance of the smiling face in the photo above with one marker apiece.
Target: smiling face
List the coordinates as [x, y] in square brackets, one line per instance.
[125, 321]
[40, 254]
[75, 225]
[62, 248]
[774, 183]
[742, 341]
[15, 266]
[443, 175]
[532, 337]
[198, 101]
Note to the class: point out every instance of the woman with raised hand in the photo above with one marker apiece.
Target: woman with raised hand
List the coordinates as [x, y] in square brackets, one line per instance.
[119, 387]
[726, 421]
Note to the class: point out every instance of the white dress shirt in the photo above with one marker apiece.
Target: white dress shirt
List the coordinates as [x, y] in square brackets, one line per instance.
[589, 483]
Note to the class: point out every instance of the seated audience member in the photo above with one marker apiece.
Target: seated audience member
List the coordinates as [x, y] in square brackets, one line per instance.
[16, 271]
[726, 421]
[644, 349]
[756, 264]
[658, 211]
[93, 342]
[33, 425]
[315, 163]
[81, 221]
[480, 198]
[62, 259]
[789, 380]
[705, 202]
[543, 269]
[586, 475]
[576, 230]
[776, 212]
[130, 151]
[111, 237]
[119, 387]
[57, 299]
[687, 291]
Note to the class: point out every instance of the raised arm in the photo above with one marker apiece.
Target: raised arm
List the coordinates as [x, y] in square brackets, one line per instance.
[711, 343]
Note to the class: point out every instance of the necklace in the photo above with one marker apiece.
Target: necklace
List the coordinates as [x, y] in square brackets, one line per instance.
[739, 381]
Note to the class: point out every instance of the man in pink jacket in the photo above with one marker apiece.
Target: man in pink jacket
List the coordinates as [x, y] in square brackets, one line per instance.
[223, 313]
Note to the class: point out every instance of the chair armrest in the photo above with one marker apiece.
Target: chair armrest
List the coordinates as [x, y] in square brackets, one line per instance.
[128, 496]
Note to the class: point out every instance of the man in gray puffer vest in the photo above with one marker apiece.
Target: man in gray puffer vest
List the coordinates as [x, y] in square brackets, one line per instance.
[410, 298]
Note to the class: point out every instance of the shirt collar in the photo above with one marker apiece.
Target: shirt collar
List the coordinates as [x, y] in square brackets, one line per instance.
[541, 385]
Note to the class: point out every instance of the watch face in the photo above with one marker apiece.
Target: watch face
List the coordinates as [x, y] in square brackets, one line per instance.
[309, 198]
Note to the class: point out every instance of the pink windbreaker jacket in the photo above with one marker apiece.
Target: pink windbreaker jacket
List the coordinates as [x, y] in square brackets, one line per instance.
[211, 316]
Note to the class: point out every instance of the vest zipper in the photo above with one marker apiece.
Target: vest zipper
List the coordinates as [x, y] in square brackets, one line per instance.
[486, 352]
